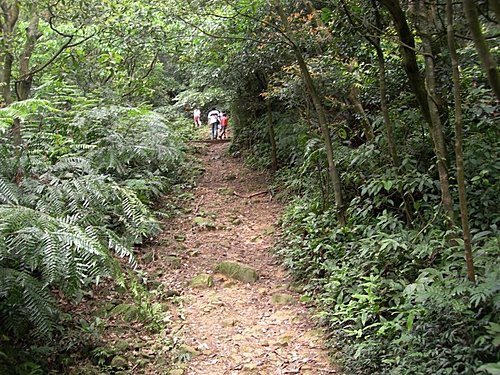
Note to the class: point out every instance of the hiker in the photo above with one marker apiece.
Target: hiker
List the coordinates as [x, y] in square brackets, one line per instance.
[197, 117]
[214, 121]
[223, 126]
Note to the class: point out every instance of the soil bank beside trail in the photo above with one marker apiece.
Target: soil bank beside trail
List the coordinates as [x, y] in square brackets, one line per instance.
[234, 327]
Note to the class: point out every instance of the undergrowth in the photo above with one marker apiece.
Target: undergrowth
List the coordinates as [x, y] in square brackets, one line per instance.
[74, 202]
[395, 300]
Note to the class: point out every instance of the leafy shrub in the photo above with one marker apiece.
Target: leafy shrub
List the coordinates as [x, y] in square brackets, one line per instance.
[395, 299]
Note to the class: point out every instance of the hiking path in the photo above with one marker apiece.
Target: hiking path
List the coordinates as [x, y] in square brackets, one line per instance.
[228, 326]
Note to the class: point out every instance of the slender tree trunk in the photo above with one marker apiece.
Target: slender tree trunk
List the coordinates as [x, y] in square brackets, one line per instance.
[6, 75]
[464, 215]
[408, 55]
[332, 165]
[8, 20]
[272, 136]
[436, 125]
[488, 61]
[23, 85]
[389, 129]
[358, 107]
[388, 125]
[495, 6]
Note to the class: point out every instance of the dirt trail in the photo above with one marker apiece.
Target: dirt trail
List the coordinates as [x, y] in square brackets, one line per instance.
[235, 327]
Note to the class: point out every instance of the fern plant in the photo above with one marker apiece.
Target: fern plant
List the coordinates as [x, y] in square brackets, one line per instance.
[40, 252]
[88, 177]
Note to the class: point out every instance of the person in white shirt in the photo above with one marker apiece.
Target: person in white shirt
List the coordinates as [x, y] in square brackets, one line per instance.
[214, 121]
[197, 117]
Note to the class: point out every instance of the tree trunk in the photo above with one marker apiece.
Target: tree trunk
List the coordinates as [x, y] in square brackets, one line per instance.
[436, 125]
[407, 49]
[464, 215]
[385, 107]
[489, 63]
[6, 75]
[495, 6]
[332, 165]
[358, 107]
[8, 20]
[272, 136]
[23, 85]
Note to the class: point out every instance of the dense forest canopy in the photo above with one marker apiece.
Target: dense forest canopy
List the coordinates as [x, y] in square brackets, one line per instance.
[378, 119]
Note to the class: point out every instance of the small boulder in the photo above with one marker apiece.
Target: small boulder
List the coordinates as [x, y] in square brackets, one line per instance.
[121, 345]
[202, 281]
[226, 191]
[118, 362]
[283, 299]
[173, 261]
[204, 223]
[180, 237]
[186, 349]
[238, 271]
[236, 221]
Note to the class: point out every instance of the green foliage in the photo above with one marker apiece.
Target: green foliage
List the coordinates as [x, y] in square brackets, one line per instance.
[89, 178]
[391, 296]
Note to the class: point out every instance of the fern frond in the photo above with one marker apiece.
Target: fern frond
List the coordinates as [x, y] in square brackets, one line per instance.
[65, 254]
[25, 299]
[8, 193]
[121, 248]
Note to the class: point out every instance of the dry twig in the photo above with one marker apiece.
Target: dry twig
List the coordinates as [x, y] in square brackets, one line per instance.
[251, 195]
[197, 207]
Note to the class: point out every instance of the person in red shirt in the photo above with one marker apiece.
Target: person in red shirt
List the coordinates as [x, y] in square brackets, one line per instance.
[223, 126]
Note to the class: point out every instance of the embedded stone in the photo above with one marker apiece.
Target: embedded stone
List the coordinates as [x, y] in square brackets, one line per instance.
[121, 345]
[172, 261]
[119, 362]
[188, 350]
[237, 271]
[202, 281]
[180, 237]
[283, 299]
[204, 223]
